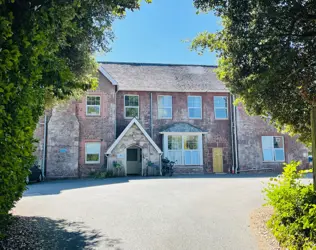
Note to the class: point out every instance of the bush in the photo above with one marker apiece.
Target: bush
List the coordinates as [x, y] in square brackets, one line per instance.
[294, 220]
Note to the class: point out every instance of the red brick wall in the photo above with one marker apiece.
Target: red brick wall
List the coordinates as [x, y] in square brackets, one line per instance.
[97, 128]
[218, 130]
[250, 130]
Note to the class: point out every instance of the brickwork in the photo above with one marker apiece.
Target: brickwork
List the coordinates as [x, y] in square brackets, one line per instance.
[250, 130]
[63, 142]
[99, 128]
[218, 130]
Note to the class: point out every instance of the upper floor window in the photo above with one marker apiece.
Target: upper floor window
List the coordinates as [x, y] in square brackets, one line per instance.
[164, 107]
[273, 148]
[220, 107]
[93, 105]
[92, 152]
[195, 107]
[131, 106]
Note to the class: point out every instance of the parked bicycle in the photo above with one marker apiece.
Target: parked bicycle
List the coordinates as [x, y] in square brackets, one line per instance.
[167, 167]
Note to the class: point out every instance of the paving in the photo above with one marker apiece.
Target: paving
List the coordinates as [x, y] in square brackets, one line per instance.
[184, 212]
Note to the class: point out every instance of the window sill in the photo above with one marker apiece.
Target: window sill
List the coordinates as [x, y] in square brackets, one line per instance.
[273, 162]
[221, 119]
[130, 118]
[93, 115]
[164, 118]
[91, 163]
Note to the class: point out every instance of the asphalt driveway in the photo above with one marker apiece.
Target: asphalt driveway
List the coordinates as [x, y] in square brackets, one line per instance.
[191, 212]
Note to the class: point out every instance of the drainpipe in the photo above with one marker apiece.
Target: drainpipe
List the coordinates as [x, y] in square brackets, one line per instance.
[232, 133]
[235, 137]
[151, 115]
[115, 110]
[44, 147]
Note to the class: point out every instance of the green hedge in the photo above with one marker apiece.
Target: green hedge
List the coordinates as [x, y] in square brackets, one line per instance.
[294, 220]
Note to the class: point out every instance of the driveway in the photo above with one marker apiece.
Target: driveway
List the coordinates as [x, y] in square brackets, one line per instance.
[189, 212]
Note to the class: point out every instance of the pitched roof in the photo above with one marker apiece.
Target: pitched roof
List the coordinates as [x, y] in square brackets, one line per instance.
[182, 127]
[132, 122]
[163, 77]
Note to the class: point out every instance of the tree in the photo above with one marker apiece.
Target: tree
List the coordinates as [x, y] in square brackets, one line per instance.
[46, 52]
[267, 57]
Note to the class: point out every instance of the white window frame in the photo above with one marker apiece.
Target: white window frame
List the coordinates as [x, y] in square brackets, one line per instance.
[273, 148]
[225, 108]
[200, 147]
[86, 153]
[126, 117]
[194, 107]
[159, 117]
[87, 114]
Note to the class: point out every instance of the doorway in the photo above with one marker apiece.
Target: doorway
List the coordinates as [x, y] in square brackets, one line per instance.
[134, 161]
[217, 160]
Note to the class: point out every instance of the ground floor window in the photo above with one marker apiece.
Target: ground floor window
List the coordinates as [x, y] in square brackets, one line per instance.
[184, 149]
[273, 148]
[92, 152]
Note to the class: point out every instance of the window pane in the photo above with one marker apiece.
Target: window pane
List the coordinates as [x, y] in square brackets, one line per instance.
[132, 154]
[268, 155]
[93, 147]
[97, 100]
[221, 113]
[92, 157]
[131, 100]
[220, 102]
[187, 157]
[267, 142]
[279, 154]
[195, 156]
[190, 142]
[131, 112]
[195, 113]
[168, 101]
[164, 113]
[278, 142]
[93, 110]
[175, 156]
[194, 101]
[174, 142]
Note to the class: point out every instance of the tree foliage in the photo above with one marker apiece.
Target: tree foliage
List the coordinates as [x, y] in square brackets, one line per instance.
[45, 53]
[293, 221]
[267, 57]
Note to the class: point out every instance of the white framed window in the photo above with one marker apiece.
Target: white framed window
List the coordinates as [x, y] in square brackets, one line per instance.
[273, 148]
[220, 107]
[92, 152]
[165, 107]
[93, 105]
[195, 107]
[131, 106]
[184, 149]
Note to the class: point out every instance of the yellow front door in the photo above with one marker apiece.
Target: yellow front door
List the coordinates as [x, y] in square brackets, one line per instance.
[217, 160]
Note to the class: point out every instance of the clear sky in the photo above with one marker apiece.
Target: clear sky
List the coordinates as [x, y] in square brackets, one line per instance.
[155, 34]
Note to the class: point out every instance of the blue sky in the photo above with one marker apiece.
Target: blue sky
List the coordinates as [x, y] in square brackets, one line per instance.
[155, 34]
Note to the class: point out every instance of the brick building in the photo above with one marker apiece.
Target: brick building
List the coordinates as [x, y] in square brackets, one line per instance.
[142, 112]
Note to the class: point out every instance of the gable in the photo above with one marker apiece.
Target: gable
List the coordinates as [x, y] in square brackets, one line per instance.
[133, 134]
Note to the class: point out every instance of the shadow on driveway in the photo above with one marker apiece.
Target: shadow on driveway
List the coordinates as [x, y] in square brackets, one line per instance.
[45, 233]
[57, 186]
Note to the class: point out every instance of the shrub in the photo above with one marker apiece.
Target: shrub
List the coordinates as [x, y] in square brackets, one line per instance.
[294, 220]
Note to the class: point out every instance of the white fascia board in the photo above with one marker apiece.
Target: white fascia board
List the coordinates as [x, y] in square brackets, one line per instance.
[107, 75]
